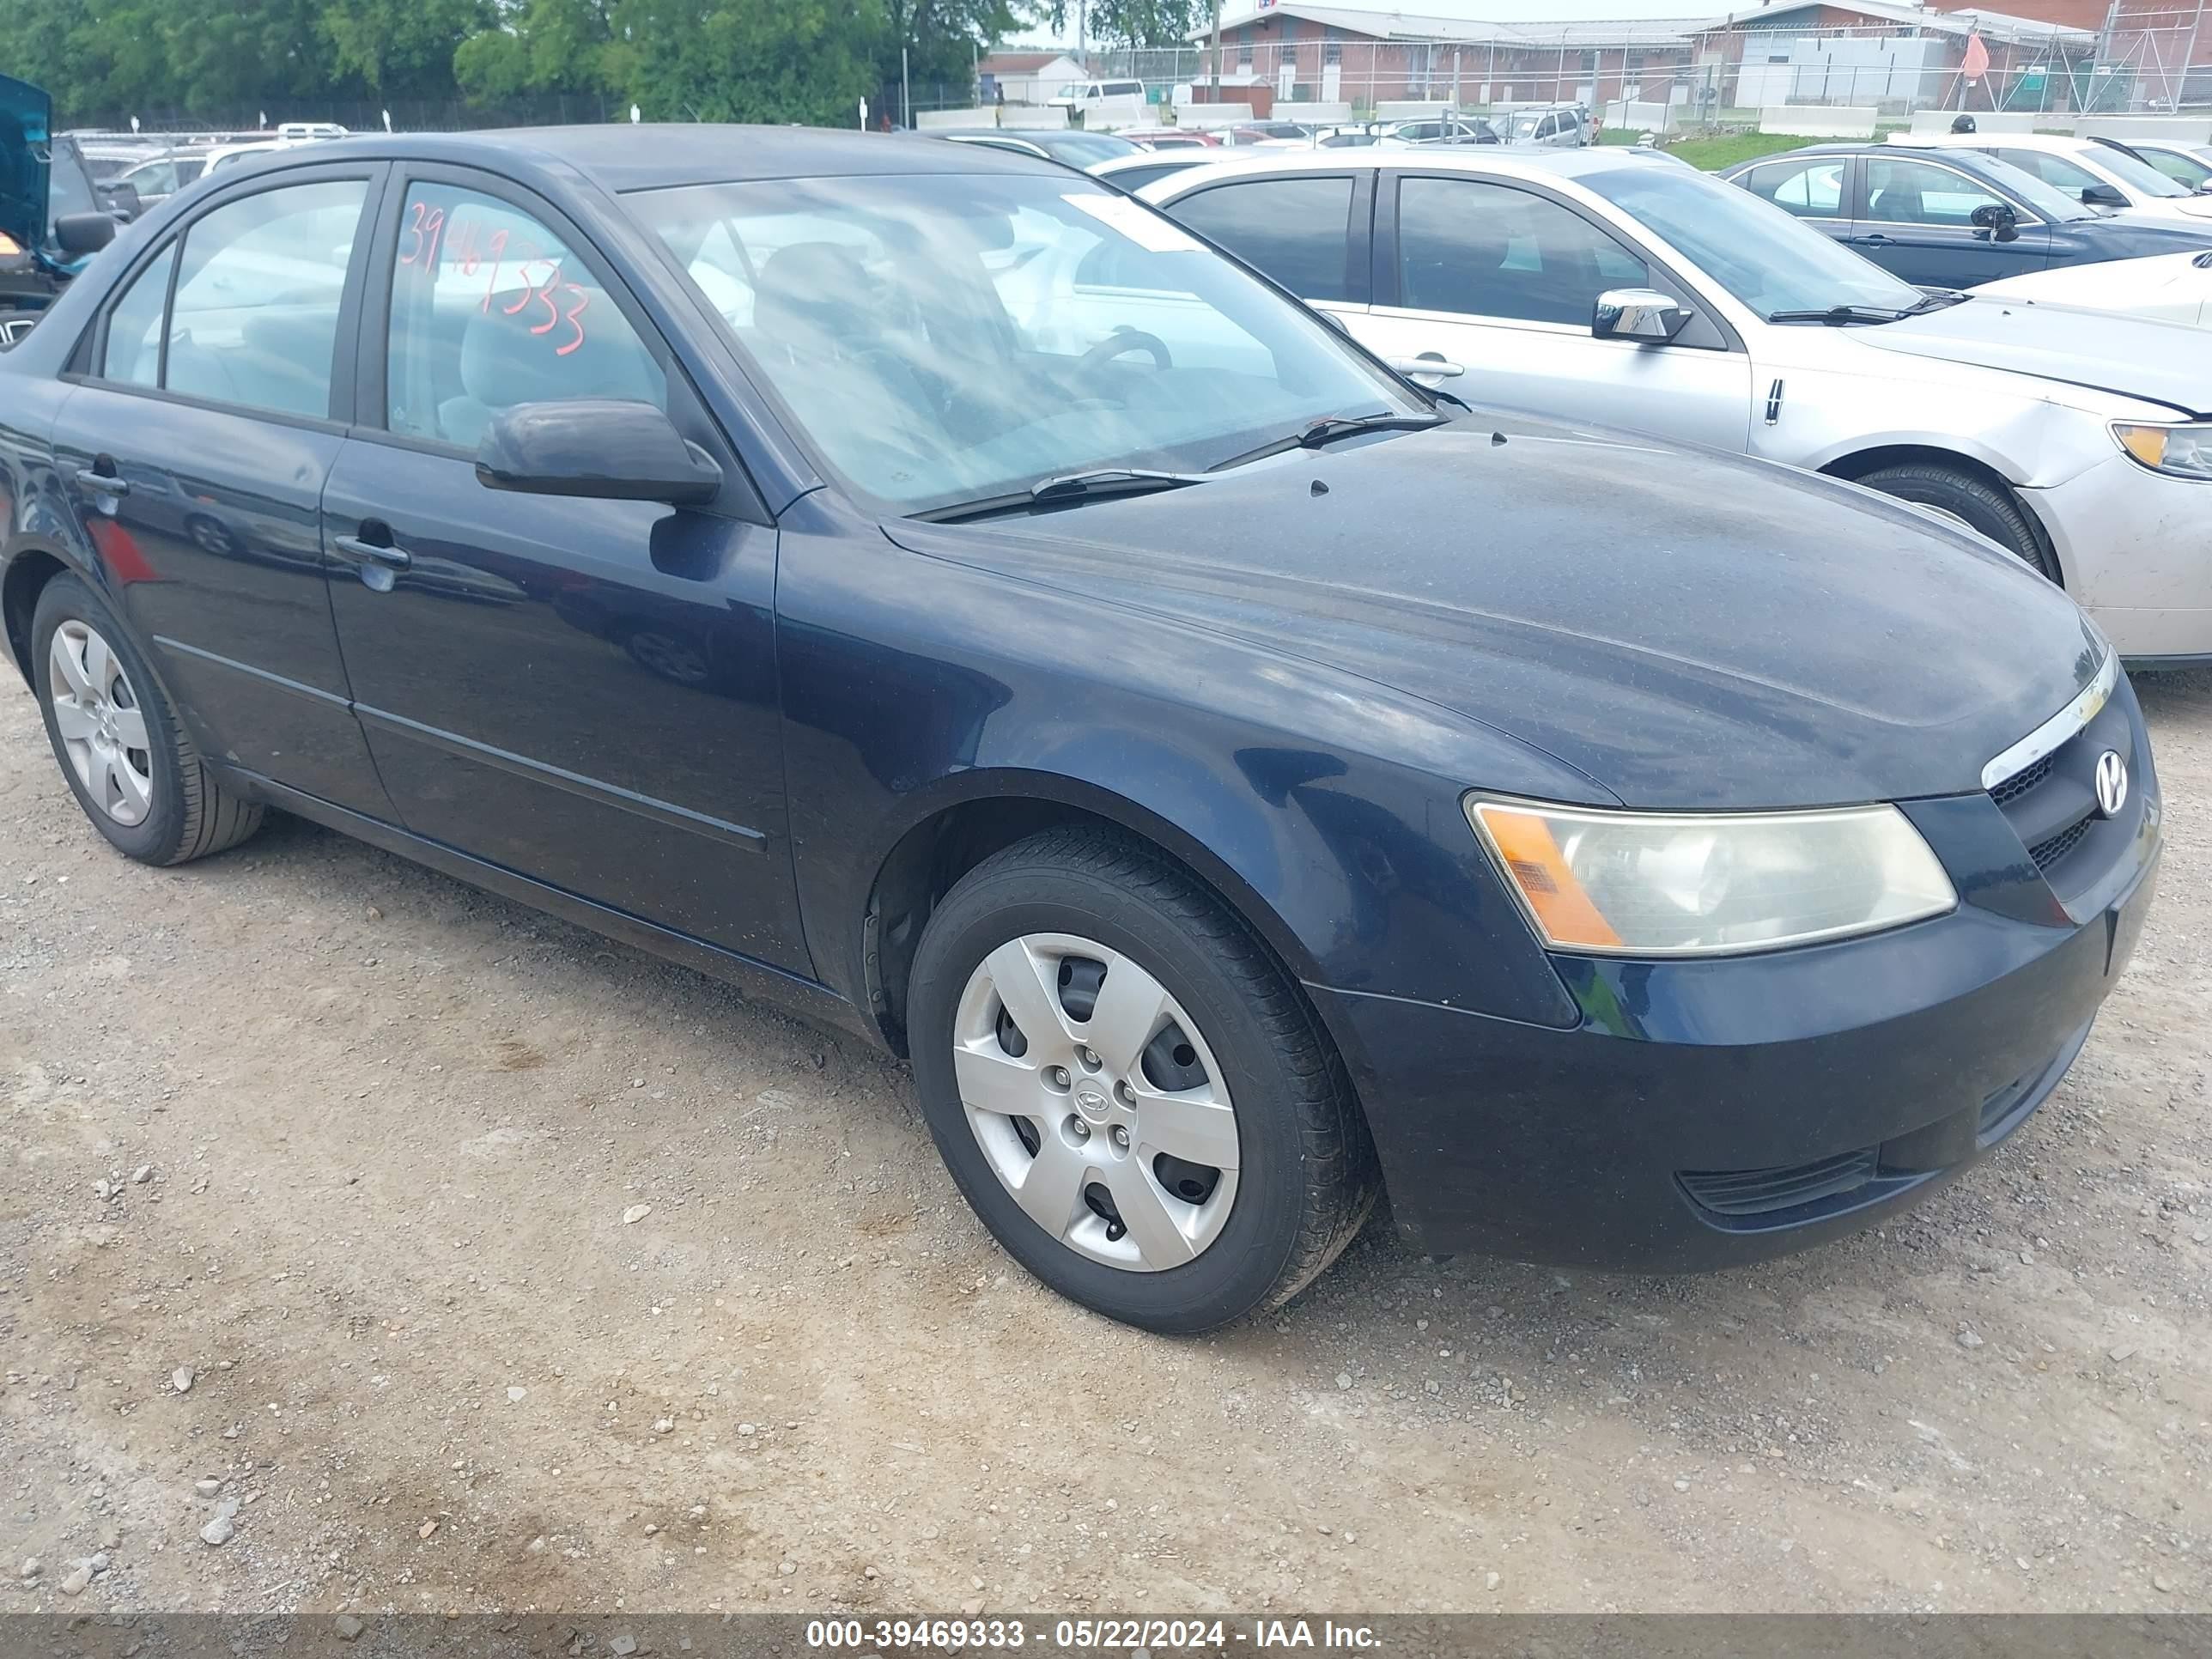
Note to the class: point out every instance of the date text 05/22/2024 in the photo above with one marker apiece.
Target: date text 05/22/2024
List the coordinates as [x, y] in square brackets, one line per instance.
[1151, 1635]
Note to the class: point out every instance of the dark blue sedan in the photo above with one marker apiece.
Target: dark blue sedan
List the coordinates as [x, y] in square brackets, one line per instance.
[1950, 218]
[931, 589]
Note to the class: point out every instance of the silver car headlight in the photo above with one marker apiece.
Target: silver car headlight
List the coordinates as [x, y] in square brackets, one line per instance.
[2182, 451]
[1672, 884]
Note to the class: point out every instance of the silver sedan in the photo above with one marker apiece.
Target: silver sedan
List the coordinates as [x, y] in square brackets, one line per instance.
[1605, 286]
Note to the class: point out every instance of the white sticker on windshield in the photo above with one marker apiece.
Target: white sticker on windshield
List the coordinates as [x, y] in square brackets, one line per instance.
[1146, 229]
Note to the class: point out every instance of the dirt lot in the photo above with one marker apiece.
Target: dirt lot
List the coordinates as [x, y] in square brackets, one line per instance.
[353, 1151]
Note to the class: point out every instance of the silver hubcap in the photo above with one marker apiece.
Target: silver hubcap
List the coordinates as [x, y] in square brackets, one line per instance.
[103, 731]
[1096, 1102]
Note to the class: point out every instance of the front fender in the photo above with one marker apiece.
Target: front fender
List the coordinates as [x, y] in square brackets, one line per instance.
[2033, 441]
[1325, 807]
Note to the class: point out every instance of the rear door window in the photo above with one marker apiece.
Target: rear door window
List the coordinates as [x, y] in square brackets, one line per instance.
[259, 286]
[1297, 230]
[133, 353]
[1808, 188]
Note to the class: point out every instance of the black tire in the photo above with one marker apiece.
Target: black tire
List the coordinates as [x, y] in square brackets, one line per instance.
[1308, 1175]
[190, 815]
[1989, 507]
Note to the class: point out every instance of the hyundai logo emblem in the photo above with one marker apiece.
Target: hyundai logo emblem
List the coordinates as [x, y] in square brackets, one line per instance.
[2111, 783]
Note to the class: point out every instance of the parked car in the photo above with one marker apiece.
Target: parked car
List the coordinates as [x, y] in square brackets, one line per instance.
[1134, 172]
[1096, 92]
[1170, 138]
[2188, 165]
[1561, 126]
[53, 216]
[2097, 175]
[1609, 286]
[164, 175]
[1953, 219]
[1066, 145]
[1260, 132]
[1468, 130]
[1659, 860]
[2173, 288]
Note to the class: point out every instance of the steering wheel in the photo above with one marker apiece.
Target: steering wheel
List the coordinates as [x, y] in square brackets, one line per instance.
[1119, 344]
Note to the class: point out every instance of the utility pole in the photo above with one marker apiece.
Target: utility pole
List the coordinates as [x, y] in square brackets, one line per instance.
[906, 94]
[1214, 57]
[1081, 18]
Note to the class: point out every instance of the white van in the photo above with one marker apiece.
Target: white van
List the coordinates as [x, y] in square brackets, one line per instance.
[1096, 91]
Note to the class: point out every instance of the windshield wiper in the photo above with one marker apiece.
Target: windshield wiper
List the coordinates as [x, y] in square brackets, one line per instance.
[1315, 433]
[1842, 316]
[1096, 484]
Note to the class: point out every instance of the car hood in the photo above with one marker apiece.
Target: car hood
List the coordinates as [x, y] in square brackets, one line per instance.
[26, 120]
[1685, 628]
[2133, 357]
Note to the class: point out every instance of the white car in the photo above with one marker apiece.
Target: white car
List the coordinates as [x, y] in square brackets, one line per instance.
[2172, 288]
[2188, 165]
[1135, 172]
[2092, 172]
[1604, 285]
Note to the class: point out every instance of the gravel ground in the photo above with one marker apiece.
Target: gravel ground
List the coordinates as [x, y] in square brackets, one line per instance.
[435, 1255]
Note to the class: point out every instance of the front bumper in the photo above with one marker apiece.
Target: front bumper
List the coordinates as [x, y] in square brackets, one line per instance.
[1706, 1112]
[2134, 548]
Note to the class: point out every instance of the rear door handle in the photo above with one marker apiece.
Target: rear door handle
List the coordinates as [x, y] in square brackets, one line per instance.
[102, 483]
[370, 553]
[1429, 362]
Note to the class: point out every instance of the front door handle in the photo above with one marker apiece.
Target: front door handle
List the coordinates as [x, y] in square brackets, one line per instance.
[1434, 364]
[371, 553]
[103, 483]
[1876, 240]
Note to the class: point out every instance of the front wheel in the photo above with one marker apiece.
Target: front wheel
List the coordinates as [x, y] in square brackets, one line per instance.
[1130, 1092]
[1978, 504]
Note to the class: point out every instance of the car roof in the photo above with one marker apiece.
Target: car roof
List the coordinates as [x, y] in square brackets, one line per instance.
[1589, 162]
[2061, 143]
[1194, 155]
[626, 155]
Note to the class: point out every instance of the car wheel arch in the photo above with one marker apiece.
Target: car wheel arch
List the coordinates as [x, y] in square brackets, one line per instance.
[25, 579]
[988, 810]
[1859, 463]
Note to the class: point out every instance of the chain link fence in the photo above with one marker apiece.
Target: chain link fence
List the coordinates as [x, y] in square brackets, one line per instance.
[2151, 56]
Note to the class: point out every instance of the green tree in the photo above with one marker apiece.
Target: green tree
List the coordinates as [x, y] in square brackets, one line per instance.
[401, 48]
[743, 60]
[1131, 22]
[941, 39]
[543, 45]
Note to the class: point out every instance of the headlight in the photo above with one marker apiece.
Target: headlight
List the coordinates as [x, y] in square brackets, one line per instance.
[2180, 451]
[1654, 885]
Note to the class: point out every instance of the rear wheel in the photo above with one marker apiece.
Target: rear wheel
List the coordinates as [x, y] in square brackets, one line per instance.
[1128, 1090]
[122, 752]
[1979, 504]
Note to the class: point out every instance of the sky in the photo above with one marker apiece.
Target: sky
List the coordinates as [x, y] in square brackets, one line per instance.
[1488, 11]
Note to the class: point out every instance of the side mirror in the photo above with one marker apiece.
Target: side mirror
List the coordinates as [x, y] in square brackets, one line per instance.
[1638, 313]
[1999, 220]
[605, 449]
[84, 232]
[118, 197]
[2103, 195]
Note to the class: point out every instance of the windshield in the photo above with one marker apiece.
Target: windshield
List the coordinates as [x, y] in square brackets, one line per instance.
[1082, 148]
[2134, 172]
[943, 337]
[1754, 249]
[1524, 126]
